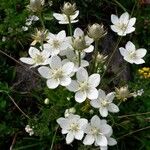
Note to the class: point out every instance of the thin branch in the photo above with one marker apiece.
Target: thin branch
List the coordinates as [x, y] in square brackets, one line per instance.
[18, 107]
[131, 115]
[13, 142]
[134, 132]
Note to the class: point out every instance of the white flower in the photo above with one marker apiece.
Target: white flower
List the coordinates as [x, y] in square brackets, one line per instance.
[58, 73]
[31, 19]
[63, 19]
[123, 25]
[138, 93]
[131, 55]
[57, 42]
[25, 28]
[73, 57]
[69, 111]
[82, 42]
[73, 126]
[96, 132]
[37, 57]
[104, 103]
[29, 130]
[84, 87]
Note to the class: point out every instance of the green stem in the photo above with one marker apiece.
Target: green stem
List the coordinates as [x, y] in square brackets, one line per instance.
[41, 20]
[79, 55]
[70, 26]
[95, 56]
[53, 139]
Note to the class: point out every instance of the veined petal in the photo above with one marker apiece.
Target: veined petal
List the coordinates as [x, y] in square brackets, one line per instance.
[94, 80]
[132, 21]
[80, 96]
[123, 51]
[58, 16]
[114, 19]
[52, 83]
[130, 29]
[92, 93]
[102, 94]
[45, 53]
[89, 49]
[88, 140]
[103, 111]
[141, 52]
[63, 123]
[106, 129]
[84, 63]
[95, 103]
[110, 96]
[65, 81]
[78, 32]
[114, 28]
[101, 140]
[46, 47]
[95, 121]
[139, 61]
[75, 15]
[130, 46]
[113, 108]
[69, 138]
[82, 75]
[27, 60]
[88, 40]
[82, 123]
[33, 52]
[111, 141]
[68, 68]
[45, 72]
[124, 18]
[55, 62]
[61, 35]
[79, 135]
[73, 86]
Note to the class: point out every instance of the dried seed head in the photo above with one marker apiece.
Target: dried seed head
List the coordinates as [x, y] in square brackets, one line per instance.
[69, 9]
[101, 58]
[96, 31]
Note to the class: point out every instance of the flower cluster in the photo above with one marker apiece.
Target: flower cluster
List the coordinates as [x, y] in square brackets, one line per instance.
[144, 72]
[29, 130]
[61, 62]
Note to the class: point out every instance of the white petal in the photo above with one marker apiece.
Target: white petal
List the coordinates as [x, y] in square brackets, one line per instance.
[45, 72]
[27, 60]
[82, 123]
[132, 21]
[52, 83]
[58, 16]
[139, 61]
[111, 141]
[106, 129]
[61, 35]
[68, 68]
[128, 59]
[130, 30]
[123, 51]
[73, 86]
[124, 18]
[101, 140]
[63, 123]
[65, 81]
[45, 53]
[47, 47]
[79, 135]
[110, 96]
[130, 46]
[114, 28]
[69, 138]
[103, 147]
[114, 19]
[33, 52]
[82, 75]
[92, 93]
[88, 140]
[95, 103]
[51, 36]
[84, 63]
[55, 62]
[95, 121]
[88, 40]
[75, 15]
[89, 49]
[103, 111]
[80, 96]
[102, 94]
[94, 80]
[141, 52]
[113, 108]
[78, 32]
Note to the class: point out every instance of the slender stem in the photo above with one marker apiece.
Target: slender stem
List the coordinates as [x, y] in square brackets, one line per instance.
[70, 26]
[41, 19]
[95, 55]
[79, 55]
[132, 115]
[53, 139]
[18, 107]
[13, 142]
[120, 5]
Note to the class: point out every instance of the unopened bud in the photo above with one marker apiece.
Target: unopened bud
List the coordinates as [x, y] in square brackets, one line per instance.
[46, 101]
[96, 31]
[101, 58]
[79, 43]
[69, 9]
[36, 5]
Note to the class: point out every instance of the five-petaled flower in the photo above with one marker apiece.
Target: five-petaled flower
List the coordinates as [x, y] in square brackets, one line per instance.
[104, 103]
[123, 25]
[73, 126]
[37, 57]
[131, 55]
[85, 86]
[57, 73]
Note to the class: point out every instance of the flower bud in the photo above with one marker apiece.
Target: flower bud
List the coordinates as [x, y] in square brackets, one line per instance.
[46, 101]
[96, 31]
[79, 43]
[36, 5]
[69, 9]
[123, 93]
[101, 58]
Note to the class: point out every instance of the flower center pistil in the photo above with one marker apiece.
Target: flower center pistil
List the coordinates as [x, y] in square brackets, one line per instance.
[56, 44]
[132, 55]
[95, 131]
[123, 27]
[57, 74]
[104, 103]
[83, 86]
[38, 59]
[74, 127]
